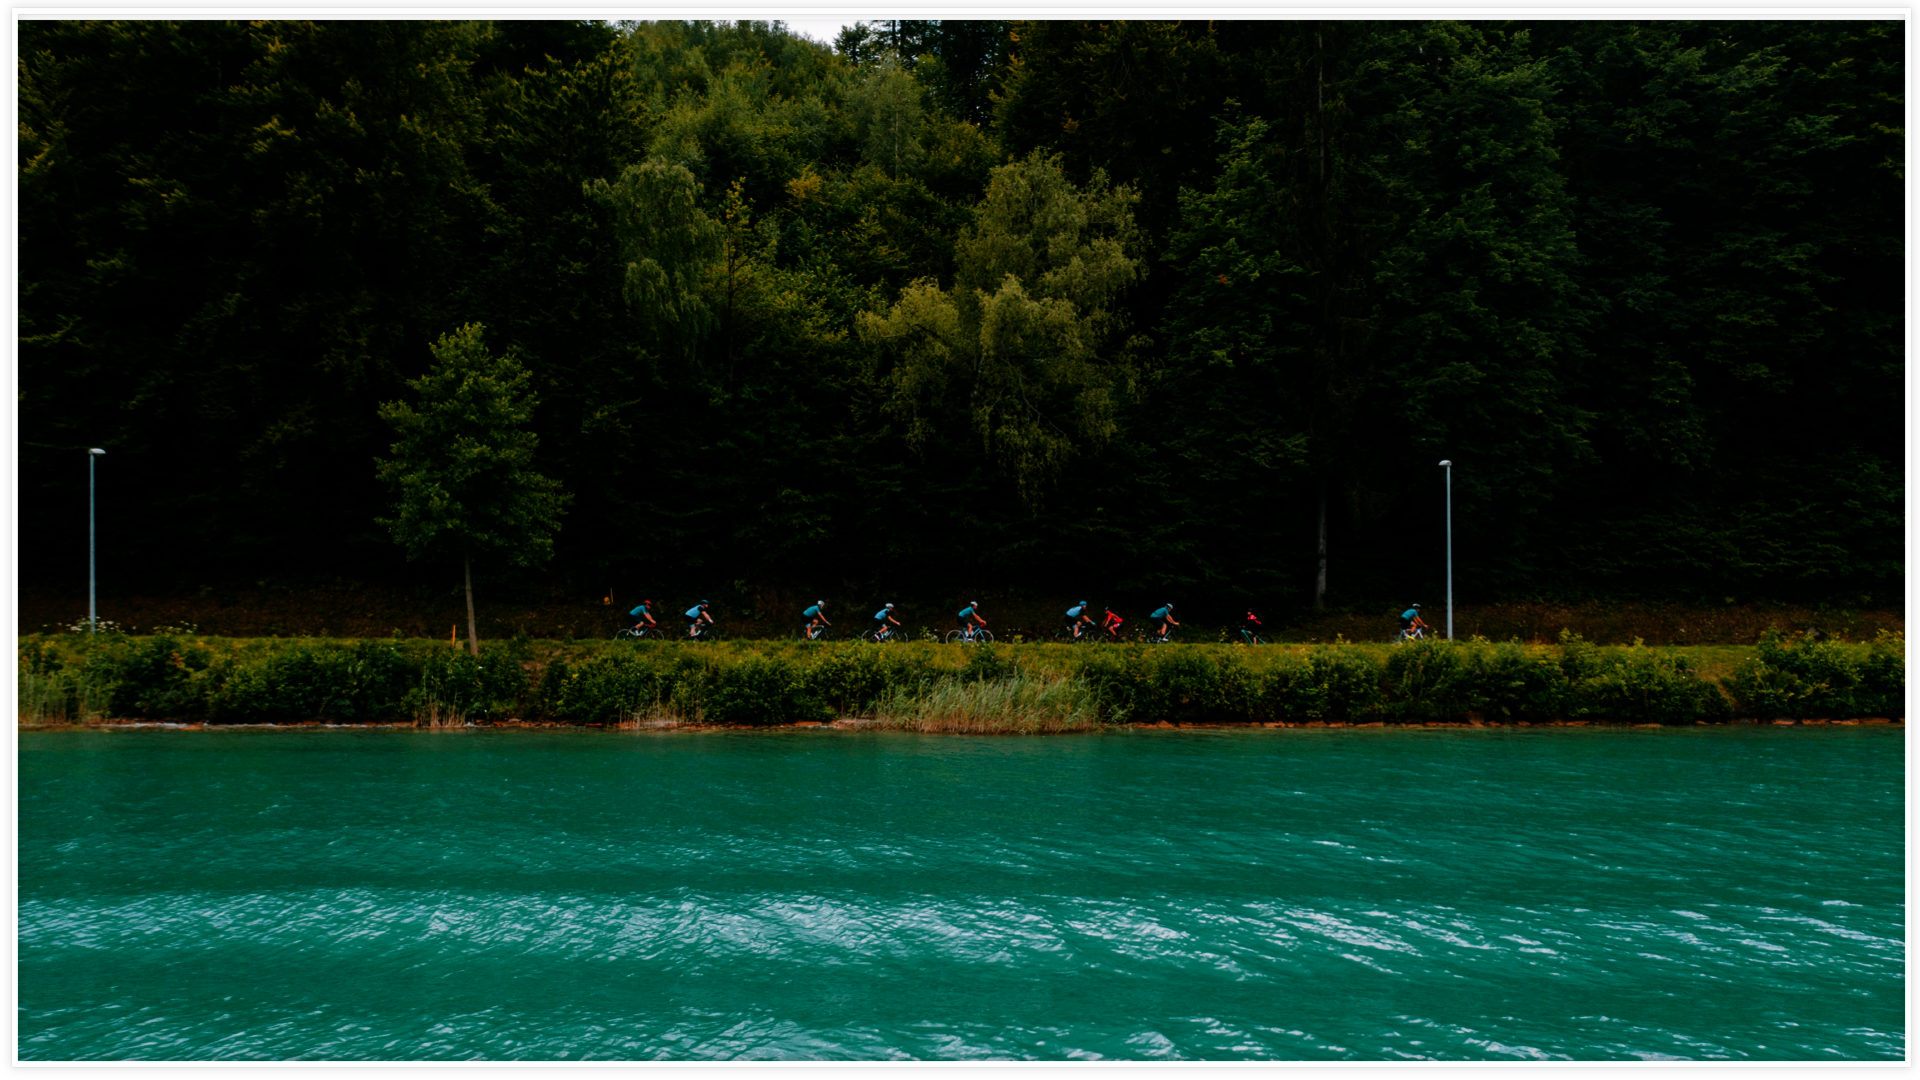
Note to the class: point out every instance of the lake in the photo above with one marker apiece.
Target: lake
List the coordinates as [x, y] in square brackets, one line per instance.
[1365, 894]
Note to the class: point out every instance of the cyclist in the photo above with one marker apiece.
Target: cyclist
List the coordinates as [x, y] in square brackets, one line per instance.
[817, 618]
[696, 615]
[880, 620]
[1077, 617]
[1250, 629]
[1164, 616]
[1410, 624]
[1111, 624]
[641, 616]
[970, 619]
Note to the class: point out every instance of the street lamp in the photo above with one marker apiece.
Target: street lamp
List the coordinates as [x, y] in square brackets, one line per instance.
[93, 619]
[1448, 465]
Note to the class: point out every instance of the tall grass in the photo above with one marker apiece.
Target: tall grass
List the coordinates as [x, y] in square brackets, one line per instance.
[1018, 704]
[65, 696]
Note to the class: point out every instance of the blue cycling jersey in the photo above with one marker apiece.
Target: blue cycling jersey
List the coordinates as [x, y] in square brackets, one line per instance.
[1160, 614]
[1074, 612]
[1409, 615]
[966, 612]
[882, 614]
[639, 611]
[812, 611]
[693, 612]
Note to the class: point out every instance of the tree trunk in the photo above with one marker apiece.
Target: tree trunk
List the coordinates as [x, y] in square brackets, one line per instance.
[473, 634]
[1320, 580]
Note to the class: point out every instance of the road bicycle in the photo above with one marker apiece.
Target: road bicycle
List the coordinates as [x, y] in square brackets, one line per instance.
[1418, 633]
[640, 633]
[970, 636]
[816, 633]
[1069, 637]
[881, 636]
[1251, 637]
[704, 631]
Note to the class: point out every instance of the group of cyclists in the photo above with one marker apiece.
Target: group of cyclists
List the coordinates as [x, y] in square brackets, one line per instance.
[1079, 624]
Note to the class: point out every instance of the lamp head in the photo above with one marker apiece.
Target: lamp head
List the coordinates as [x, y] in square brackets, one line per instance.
[96, 450]
[1446, 464]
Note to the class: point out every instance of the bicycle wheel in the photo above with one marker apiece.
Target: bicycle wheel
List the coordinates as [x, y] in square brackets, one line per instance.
[956, 637]
[626, 633]
[984, 637]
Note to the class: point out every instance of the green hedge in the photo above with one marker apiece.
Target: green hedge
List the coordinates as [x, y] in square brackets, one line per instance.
[1805, 679]
[182, 676]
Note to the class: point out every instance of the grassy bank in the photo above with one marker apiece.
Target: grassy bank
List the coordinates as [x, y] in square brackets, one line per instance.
[931, 687]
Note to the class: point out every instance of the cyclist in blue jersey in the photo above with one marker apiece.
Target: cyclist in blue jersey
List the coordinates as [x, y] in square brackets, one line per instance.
[969, 617]
[1411, 624]
[1164, 616]
[696, 615]
[880, 620]
[816, 618]
[1077, 618]
[642, 615]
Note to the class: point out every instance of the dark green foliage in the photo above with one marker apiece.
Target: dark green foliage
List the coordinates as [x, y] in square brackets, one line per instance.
[1443, 680]
[1643, 685]
[368, 681]
[760, 691]
[1640, 280]
[1344, 680]
[484, 687]
[183, 677]
[1824, 679]
[160, 678]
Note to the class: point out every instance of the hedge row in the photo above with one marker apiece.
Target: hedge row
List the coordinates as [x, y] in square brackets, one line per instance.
[225, 681]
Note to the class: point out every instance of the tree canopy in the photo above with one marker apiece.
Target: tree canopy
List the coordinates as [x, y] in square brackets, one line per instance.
[1067, 305]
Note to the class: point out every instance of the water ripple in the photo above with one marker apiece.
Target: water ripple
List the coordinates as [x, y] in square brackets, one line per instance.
[555, 898]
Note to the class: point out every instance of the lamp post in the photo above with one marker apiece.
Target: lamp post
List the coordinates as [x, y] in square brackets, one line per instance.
[1448, 465]
[93, 618]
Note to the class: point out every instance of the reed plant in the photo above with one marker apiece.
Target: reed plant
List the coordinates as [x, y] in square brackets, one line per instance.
[62, 697]
[1017, 704]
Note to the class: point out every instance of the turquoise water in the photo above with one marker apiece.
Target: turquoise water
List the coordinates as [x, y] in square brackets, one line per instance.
[1359, 894]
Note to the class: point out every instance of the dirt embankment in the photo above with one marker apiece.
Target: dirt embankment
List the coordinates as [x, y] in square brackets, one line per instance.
[360, 609]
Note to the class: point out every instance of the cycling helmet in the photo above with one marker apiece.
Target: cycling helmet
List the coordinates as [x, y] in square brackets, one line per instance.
[973, 603]
[889, 607]
[1083, 603]
[1416, 605]
[703, 603]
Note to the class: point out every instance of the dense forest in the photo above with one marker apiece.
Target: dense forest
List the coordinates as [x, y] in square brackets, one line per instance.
[1131, 308]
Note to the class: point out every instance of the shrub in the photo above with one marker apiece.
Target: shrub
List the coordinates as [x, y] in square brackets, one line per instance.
[1645, 685]
[760, 691]
[160, 677]
[1883, 676]
[1288, 689]
[1345, 681]
[854, 678]
[1115, 679]
[1424, 680]
[455, 687]
[1809, 678]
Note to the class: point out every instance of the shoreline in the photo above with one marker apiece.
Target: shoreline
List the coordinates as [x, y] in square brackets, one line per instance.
[849, 723]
